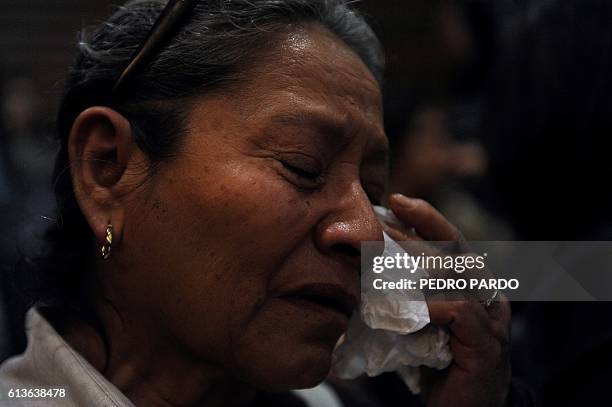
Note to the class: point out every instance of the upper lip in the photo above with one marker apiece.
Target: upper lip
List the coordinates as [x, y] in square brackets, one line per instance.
[331, 295]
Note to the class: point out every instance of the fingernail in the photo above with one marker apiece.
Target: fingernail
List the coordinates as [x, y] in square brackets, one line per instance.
[403, 201]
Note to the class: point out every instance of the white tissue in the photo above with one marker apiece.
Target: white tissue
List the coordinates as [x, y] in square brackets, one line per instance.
[391, 333]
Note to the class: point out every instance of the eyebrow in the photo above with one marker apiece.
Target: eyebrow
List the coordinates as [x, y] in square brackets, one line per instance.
[323, 123]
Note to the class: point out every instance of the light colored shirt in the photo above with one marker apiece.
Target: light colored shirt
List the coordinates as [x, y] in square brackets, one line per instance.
[49, 365]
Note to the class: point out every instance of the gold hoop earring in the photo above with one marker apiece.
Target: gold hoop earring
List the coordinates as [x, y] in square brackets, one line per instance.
[106, 247]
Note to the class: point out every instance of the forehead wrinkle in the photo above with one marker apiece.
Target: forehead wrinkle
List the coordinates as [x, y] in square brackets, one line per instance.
[352, 88]
[310, 73]
[315, 59]
[333, 127]
[329, 111]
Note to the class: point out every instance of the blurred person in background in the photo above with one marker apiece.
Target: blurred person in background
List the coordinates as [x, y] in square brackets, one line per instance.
[549, 137]
[432, 125]
[6, 210]
[23, 117]
[27, 162]
[548, 123]
[27, 145]
[6, 186]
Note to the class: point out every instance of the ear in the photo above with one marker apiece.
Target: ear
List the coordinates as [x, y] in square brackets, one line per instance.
[100, 148]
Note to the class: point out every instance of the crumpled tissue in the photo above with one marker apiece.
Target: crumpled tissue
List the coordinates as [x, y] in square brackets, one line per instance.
[391, 333]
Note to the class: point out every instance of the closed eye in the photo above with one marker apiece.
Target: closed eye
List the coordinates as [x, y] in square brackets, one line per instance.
[309, 174]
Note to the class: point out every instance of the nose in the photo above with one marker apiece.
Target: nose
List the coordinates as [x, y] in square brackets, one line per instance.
[350, 222]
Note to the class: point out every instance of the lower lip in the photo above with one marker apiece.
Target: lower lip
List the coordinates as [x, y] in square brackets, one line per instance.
[314, 307]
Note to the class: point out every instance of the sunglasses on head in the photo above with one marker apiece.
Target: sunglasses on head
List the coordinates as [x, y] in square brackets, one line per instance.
[166, 24]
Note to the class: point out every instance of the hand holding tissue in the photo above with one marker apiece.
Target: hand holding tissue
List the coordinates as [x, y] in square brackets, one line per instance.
[392, 333]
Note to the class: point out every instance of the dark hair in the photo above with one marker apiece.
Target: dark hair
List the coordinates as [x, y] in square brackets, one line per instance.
[210, 52]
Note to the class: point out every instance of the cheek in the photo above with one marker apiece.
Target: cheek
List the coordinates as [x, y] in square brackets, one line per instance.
[220, 236]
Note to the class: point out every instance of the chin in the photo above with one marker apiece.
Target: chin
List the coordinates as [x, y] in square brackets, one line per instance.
[301, 369]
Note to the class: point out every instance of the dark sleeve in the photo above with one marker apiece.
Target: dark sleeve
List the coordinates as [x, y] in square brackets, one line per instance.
[389, 391]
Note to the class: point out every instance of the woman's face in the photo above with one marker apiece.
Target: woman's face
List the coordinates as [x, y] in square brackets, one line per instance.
[245, 248]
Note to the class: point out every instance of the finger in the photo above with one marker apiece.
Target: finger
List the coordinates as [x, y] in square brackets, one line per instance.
[500, 315]
[427, 221]
[428, 378]
[400, 234]
[410, 241]
[467, 321]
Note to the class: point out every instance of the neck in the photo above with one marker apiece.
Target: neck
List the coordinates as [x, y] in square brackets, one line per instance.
[152, 370]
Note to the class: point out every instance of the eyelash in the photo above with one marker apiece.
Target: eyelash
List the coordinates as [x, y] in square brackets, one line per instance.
[316, 177]
[313, 176]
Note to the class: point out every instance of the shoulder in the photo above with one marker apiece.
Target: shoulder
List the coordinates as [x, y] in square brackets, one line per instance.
[15, 378]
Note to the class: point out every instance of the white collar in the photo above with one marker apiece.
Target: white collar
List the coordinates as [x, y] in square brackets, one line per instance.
[49, 362]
